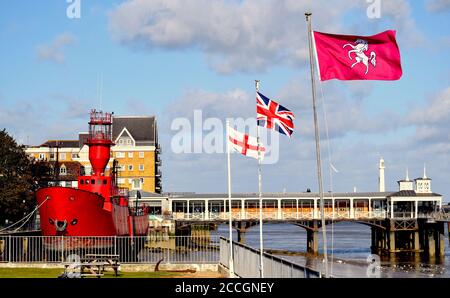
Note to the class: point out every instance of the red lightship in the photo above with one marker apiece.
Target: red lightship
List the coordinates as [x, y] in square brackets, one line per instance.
[98, 207]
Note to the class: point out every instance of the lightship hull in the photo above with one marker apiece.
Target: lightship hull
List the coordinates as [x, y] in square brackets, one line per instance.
[73, 212]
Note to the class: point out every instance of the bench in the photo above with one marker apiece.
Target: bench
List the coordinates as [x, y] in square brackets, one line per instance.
[95, 264]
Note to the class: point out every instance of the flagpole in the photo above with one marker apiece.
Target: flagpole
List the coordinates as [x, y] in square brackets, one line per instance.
[317, 137]
[261, 242]
[231, 262]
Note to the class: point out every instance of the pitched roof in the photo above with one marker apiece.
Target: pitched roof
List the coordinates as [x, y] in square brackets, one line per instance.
[141, 128]
[412, 193]
[60, 143]
[73, 169]
[82, 139]
[193, 195]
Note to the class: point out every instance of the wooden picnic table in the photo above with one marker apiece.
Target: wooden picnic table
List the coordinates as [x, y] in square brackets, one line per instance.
[96, 264]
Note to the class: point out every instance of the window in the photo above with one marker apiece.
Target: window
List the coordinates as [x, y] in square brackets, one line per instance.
[52, 156]
[130, 154]
[141, 167]
[41, 156]
[75, 155]
[87, 170]
[68, 183]
[120, 154]
[129, 142]
[121, 141]
[63, 170]
[141, 154]
[137, 184]
[120, 181]
[62, 156]
[130, 167]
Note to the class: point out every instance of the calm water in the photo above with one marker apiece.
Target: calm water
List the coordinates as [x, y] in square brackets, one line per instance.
[348, 247]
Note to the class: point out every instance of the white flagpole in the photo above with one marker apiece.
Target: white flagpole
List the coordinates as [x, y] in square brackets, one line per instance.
[261, 241]
[231, 264]
[317, 135]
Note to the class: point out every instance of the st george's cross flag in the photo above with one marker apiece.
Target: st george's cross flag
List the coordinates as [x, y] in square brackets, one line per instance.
[244, 144]
[272, 115]
[350, 57]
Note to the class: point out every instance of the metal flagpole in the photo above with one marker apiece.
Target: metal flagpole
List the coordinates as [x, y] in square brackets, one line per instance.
[231, 264]
[317, 137]
[261, 241]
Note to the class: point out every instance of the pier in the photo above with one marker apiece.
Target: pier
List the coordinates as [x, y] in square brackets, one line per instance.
[401, 221]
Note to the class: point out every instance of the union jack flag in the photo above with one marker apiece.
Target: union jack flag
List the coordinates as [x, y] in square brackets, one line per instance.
[272, 115]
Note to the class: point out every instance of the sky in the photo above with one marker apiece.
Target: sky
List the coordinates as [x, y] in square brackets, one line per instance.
[169, 58]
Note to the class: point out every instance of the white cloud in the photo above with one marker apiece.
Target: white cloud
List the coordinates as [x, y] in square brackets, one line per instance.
[346, 117]
[438, 5]
[431, 121]
[243, 35]
[53, 51]
[435, 111]
[54, 121]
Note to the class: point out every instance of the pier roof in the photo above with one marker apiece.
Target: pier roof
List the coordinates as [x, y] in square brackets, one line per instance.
[412, 193]
[191, 195]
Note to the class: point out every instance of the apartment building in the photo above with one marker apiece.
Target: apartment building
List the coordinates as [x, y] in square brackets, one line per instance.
[136, 149]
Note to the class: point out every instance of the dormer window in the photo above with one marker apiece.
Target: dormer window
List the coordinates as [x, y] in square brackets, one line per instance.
[63, 170]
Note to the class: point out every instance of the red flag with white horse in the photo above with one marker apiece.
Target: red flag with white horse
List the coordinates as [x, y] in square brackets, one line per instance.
[350, 57]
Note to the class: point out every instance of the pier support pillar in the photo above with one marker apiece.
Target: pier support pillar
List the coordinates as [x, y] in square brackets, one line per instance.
[392, 241]
[312, 238]
[448, 231]
[431, 243]
[384, 239]
[441, 230]
[241, 236]
[373, 247]
[416, 241]
[378, 240]
[312, 242]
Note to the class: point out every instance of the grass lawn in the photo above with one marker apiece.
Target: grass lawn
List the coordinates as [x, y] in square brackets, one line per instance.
[55, 272]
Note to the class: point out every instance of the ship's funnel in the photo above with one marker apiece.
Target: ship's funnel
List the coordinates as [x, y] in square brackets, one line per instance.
[99, 141]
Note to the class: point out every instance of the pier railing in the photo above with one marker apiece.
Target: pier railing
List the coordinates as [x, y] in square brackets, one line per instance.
[202, 249]
[283, 215]
[246, 262]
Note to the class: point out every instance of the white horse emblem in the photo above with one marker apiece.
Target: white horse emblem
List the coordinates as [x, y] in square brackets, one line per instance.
[359, 48]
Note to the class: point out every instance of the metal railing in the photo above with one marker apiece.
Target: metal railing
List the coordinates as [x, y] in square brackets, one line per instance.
[246, 262]
[144, 249]
[404, 214]
[283, 215]
[435, 215]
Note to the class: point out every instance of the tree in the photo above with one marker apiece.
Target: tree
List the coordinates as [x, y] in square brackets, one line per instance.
[20, 176]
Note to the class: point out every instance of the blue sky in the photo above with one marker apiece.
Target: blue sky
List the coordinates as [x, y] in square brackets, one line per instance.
[169, 57]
